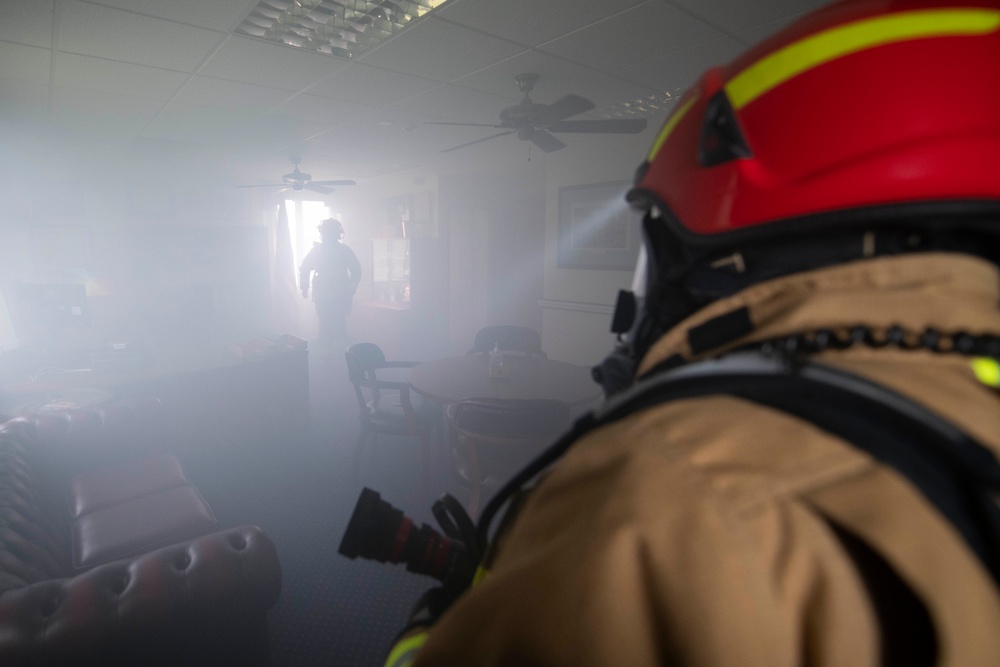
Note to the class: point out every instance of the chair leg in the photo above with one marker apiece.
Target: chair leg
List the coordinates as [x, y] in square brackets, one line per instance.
[359, 447]
[425, 465]
[476, 473]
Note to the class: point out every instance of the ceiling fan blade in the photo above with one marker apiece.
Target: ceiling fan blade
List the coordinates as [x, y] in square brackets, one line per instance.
[322, 189]
[609, 126]
[568, 106]
[471, 124]
[477, 141]
[333, 182]
[546, 141]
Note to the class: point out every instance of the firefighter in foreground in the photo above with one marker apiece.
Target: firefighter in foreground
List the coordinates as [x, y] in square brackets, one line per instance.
[830, 198]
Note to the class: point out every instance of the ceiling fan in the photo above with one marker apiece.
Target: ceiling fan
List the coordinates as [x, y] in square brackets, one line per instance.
[536, 122]
[299, 180]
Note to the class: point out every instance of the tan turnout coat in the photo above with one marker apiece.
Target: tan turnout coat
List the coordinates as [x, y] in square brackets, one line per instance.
[696, 532]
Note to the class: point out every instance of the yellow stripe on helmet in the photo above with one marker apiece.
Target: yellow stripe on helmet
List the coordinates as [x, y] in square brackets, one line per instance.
[801, 56]
[823, 47]
[669, 126]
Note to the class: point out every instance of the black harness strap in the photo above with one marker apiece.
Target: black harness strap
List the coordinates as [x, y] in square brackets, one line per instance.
[955, 473]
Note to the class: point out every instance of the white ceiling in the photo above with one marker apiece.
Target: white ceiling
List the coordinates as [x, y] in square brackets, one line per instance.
[170, 78]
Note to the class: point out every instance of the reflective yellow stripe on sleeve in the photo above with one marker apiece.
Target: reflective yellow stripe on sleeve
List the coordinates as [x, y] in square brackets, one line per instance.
[481, 573]
[987, 371]
[405, 650]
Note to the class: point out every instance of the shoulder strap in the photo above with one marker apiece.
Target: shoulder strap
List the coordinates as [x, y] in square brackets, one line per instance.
[954, 472]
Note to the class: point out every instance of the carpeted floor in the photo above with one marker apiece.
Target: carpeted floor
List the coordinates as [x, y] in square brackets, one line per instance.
[332, 610]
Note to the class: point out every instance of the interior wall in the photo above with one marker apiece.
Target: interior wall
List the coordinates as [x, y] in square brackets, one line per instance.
[499, 217]
[577, 303]
[515, 260]
[158, 248]
[468, 288]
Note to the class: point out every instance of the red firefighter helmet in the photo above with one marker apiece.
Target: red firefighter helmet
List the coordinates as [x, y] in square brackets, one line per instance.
[863, 105]
[837, 138]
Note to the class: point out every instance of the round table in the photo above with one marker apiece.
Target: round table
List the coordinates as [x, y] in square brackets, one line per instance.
[454, 378]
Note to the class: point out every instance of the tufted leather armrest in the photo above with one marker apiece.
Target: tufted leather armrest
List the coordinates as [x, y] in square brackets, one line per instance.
[205, 582]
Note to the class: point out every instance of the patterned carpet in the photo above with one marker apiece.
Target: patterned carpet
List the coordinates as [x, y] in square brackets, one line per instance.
[332, 611]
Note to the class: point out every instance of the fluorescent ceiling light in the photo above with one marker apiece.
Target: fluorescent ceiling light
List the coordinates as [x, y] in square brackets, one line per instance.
[642, 106]
[342, 28]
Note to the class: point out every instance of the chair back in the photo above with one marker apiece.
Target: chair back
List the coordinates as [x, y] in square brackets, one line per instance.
[510, 421]
[491, 439]
[385, 405]
[365, 357]
[362, 361]
[508, 337]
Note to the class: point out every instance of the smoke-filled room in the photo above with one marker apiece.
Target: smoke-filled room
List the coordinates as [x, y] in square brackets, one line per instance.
[499, 332]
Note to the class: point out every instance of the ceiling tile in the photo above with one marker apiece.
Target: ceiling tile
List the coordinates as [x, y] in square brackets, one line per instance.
[397, 132]
[206, 91]
[438, 50]
[321, 109]
[391, 120]
[558, 77]
[285, 128]
[145, 148]
[681, 69]
[25, 63]
[186, 122]
[103, 32]
[505, 151]
[270, 64]
[23, 101]
[761, 32]
[27, 22]
[457, 103]
[221, 15]
[359, 152]
[373, 86]
[112, 76]
[269, 134]
[645, 32]
[440, 138]
[102, 114]
[255, 102]
[741, 16]
[530, 22]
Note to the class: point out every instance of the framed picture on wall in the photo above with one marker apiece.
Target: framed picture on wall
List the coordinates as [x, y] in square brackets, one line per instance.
[597, 228]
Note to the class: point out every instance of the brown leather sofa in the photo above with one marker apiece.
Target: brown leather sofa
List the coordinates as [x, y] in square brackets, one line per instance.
[110, 556]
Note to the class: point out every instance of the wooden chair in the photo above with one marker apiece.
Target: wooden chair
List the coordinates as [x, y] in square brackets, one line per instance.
[509, 338]
[491, 439]
[387, 407]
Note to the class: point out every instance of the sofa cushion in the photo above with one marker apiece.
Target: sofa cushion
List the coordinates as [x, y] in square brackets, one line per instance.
[138, 525]
[95, 489]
